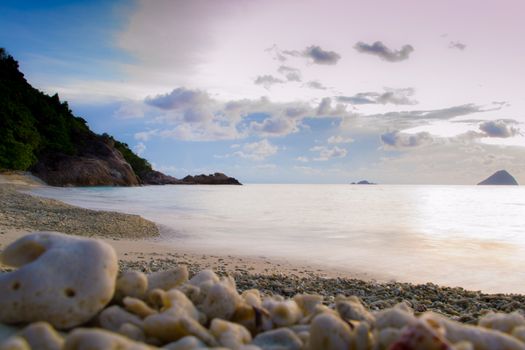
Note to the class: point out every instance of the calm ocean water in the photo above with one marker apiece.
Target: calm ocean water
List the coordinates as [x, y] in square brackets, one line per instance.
[469, 236]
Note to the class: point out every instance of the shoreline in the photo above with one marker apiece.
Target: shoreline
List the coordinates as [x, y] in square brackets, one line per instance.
[269, 274]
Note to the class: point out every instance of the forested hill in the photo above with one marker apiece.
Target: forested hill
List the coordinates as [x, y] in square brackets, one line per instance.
[39, 133]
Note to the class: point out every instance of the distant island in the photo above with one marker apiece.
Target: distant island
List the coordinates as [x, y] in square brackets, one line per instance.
[40, 134]
[363, 182]
[501, 177]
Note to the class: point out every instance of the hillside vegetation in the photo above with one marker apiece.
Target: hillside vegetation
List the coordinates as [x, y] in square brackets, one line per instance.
[34, 125]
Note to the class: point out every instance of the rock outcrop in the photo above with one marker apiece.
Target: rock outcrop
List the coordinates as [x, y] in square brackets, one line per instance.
[98, 163]
[154, 177]
[212, 179]
[501, 177]
[363, 182]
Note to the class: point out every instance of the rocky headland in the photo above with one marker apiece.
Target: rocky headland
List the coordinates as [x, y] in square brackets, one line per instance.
[40, 134]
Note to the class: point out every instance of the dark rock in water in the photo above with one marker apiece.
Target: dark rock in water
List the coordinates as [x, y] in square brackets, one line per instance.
[363, 182]
[154, 177]
[215, 179]
[501, 177]
[98, 163]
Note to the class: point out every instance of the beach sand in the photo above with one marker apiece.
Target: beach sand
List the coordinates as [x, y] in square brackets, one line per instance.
[140, 246]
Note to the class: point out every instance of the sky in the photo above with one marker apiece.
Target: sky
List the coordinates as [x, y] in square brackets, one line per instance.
[295, 91]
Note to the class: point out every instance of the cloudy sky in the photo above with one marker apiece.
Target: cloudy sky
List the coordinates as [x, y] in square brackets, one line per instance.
[305, 91]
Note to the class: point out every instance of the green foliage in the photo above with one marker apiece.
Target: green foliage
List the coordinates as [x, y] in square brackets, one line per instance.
[33, 124]
[139, 165]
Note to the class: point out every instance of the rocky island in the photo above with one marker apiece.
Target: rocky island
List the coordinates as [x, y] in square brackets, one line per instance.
[501, 177]
[40, 134]
[363, 182]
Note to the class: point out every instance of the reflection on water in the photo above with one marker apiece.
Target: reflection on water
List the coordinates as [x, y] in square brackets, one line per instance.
[469, 236]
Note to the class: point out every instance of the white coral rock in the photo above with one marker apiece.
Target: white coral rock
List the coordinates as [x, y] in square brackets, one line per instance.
[61, 279]
[229, 334]
[221, 300]
[131, 284]
[278, 339]
[502, 322]
[329, 332]
[93, 338]
[168, 279]
[481, 338]
[40, 335]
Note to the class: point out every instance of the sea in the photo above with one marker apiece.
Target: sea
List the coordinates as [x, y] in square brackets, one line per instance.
[467, 236]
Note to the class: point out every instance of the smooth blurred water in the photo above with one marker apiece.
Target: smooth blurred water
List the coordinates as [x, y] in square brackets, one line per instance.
[469, 236]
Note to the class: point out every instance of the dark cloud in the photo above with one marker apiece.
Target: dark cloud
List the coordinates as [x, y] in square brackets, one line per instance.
[179, 98]
[392, 96]
[321, 56]
[444, 113]
[312, 84]
[325, 108]
[267, 81]
[396, 139]
[499, 128]
[316, 54]
[457, 45]
[291, 74]
[380, 50]
[274, 127]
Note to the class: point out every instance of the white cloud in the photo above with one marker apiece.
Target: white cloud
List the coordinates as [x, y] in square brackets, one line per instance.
[195, 115]
[392, 96]
[266, 166]
[336, 139]
[327, 153]
[302, 159]
[139, 148]
[291, 74]
[254, 151]
[145, 135]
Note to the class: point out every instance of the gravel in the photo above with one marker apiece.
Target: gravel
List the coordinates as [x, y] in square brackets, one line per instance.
[22, 211]
[457, 303]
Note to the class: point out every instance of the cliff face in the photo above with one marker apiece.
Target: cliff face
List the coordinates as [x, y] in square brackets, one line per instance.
[501, 177]
[98, 164]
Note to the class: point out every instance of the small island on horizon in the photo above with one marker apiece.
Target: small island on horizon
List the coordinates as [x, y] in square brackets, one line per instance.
[363, 182]
[501, 177]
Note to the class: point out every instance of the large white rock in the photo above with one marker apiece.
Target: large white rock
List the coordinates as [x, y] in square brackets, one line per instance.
[61, 279]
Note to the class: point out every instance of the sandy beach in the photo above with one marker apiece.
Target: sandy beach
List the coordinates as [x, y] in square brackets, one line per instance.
[140, 246]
